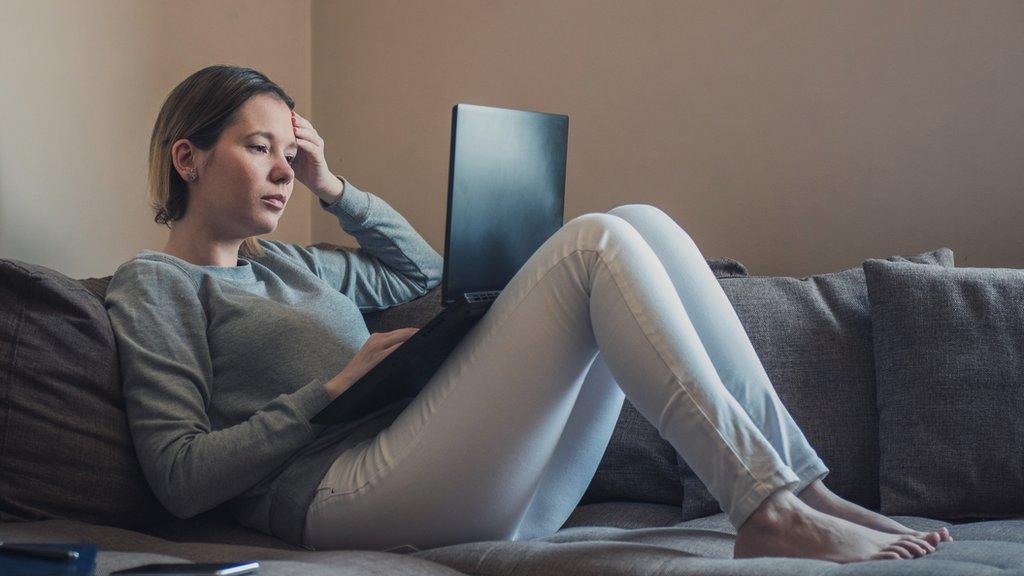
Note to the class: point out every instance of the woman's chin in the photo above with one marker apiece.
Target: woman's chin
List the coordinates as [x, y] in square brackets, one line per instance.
[268, 224]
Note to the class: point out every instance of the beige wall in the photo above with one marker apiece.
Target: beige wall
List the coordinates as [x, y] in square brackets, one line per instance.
[82, 84]
[797, 137]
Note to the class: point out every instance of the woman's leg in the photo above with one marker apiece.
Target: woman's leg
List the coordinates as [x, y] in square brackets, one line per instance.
[731, 353]
[724, 338]
[464, 460]
[737, 363]
[575, 459]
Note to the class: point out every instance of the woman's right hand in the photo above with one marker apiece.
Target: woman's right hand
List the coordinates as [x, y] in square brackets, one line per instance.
[375, 349]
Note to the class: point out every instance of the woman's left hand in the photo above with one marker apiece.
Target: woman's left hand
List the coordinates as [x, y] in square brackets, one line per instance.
[309, 165]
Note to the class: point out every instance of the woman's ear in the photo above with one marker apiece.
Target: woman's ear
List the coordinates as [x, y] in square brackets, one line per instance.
[183, 157]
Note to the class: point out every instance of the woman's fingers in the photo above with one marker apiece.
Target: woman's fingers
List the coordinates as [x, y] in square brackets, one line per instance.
[400, 335]
[387, 351]
[309, 134]
[300, 121]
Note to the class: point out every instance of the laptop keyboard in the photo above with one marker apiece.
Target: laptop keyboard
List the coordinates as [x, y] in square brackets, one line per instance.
[482, 296]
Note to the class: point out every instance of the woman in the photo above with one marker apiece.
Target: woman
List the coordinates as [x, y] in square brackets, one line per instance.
[230, 344]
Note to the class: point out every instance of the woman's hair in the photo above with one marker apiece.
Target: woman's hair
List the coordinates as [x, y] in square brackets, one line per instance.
[199, 109]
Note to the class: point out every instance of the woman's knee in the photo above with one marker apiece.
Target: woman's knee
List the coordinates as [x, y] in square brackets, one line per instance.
[637, 213]
[592, 230]
[628, 211]
[640, 216]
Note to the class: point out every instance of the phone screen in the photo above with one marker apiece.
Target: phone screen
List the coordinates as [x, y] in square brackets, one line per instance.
[208, 569]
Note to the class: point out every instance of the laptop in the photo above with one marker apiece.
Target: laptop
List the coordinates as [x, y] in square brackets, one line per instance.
[506, 196]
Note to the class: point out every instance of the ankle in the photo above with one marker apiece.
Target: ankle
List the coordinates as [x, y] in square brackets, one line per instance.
[815, 494]
[776, 510]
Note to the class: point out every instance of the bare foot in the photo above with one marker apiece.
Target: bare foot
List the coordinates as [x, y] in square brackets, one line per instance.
[818, 496]
[783, 525]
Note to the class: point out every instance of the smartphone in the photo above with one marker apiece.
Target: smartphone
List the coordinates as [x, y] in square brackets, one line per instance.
[212, 569]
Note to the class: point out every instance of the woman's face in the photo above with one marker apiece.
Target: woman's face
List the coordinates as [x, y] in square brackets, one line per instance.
[244, 168]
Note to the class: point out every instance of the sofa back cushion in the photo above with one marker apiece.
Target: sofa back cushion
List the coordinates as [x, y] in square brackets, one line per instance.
[813, 337]
[65, 449]
[949, 358]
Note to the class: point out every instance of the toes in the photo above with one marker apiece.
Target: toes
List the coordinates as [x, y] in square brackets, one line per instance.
[923, 543]
[899, 549]
[886, 556]
[946, 536]
[932, 538]
[913, 547]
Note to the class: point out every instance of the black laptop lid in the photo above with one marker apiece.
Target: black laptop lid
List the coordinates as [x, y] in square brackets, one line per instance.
[506, 194]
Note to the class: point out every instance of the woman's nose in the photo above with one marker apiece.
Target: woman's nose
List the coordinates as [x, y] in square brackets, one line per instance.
[285, 173]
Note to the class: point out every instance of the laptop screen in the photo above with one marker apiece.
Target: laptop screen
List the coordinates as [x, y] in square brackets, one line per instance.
[506, 194]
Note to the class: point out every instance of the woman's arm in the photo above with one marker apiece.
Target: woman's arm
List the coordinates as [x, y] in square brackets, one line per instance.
[160, 327]
[392, 265]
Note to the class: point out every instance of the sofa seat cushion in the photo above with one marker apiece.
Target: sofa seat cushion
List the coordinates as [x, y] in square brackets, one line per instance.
[704, 546]
[699, 546]
[121, 548]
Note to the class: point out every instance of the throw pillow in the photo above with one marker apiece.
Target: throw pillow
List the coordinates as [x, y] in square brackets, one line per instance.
[949, 359]
[66, 449]
[813, 337]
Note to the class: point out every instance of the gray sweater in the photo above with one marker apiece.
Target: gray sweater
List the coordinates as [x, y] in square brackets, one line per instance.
[223, 367]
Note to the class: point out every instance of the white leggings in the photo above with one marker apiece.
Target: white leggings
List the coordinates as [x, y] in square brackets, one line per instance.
[503, 441]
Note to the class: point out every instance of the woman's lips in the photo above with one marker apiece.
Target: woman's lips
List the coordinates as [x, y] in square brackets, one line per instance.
[275, 203]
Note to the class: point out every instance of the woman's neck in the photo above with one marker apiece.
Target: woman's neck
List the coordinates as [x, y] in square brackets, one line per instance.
[191, 244]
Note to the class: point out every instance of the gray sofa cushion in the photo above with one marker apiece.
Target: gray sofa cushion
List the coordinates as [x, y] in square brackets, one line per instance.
[813, 336]
[66, 450]
[121, 548]
[949, 358]
[598, 543]
[613, 538]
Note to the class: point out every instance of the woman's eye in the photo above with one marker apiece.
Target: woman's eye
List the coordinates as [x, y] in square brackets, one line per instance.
[261, 147]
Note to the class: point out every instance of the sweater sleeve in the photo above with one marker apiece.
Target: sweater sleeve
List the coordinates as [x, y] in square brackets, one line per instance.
[159, 325]
[392, 265]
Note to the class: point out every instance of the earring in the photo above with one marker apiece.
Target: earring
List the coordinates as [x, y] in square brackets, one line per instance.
[192, 174]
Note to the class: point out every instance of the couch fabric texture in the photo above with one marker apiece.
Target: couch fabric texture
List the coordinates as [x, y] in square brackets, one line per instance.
[60, 396]
[949, 354]
[813, 335]
[611, 538]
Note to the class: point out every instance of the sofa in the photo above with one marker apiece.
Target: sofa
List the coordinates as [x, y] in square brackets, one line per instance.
[68, 472]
